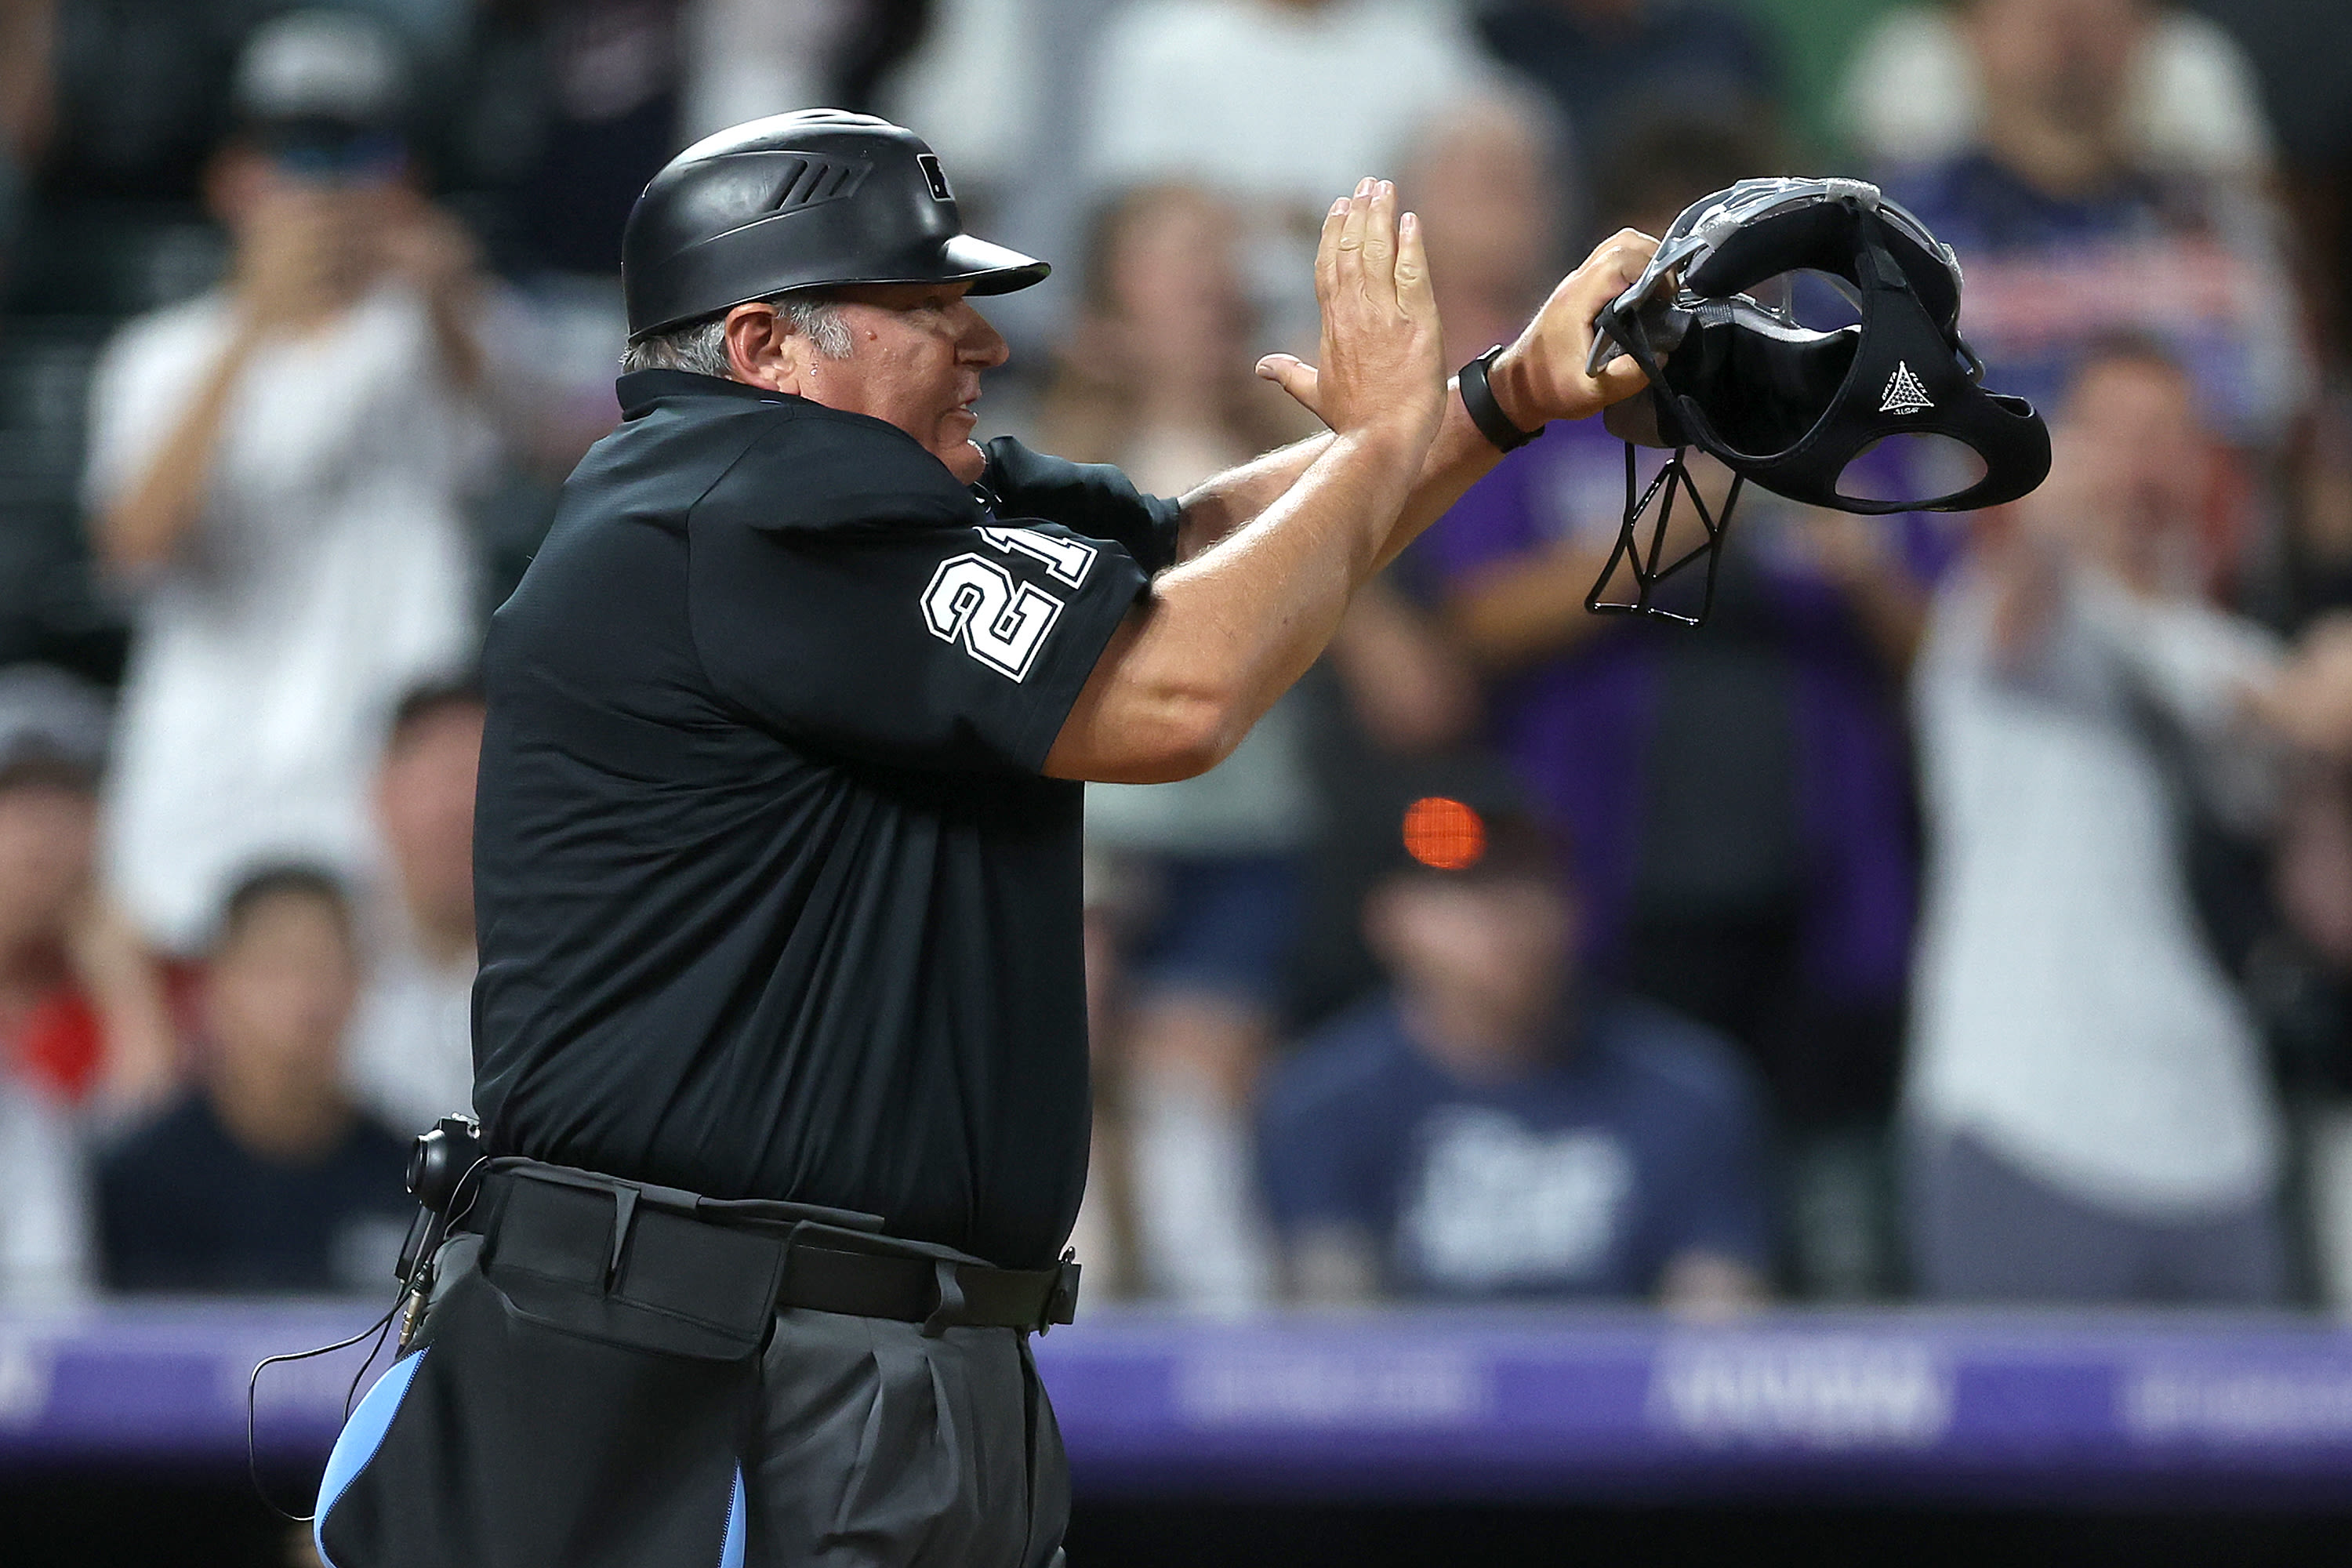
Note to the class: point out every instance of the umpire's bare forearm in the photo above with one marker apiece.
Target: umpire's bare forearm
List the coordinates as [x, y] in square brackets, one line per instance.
[1458, 458]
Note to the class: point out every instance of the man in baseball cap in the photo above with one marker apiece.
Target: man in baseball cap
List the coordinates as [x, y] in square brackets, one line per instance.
[84, 1002]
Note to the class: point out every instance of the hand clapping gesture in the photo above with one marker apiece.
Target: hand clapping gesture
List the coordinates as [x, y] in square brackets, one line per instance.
[1541, 377]
[1383, 374]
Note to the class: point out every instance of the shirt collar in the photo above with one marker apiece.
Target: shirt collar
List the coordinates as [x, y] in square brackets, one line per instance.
[639, 390]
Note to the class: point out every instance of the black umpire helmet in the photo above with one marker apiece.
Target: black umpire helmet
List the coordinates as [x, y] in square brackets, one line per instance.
[812, 199]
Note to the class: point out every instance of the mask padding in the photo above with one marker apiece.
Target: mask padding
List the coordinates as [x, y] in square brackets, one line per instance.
[1761, 397]
[1821, 238]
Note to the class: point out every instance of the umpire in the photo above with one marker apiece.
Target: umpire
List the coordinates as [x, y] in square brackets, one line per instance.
[781, 1032]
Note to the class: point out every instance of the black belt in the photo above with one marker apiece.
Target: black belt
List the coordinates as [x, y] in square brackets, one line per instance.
[913, 1290]
[666, 1249]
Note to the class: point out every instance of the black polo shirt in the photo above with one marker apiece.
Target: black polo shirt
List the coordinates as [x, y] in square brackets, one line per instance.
[774, 901]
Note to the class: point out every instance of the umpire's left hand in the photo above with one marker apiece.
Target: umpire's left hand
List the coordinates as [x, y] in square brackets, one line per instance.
[1541, 376]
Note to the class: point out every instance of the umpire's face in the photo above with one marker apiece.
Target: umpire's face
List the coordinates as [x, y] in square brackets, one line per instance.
[914, 359]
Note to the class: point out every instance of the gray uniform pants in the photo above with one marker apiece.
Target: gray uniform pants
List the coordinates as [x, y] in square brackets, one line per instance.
[509, 1439]
[879, 1448]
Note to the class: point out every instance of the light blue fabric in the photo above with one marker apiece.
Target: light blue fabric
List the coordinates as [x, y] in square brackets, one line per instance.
[363, 1433]
[731, 1550]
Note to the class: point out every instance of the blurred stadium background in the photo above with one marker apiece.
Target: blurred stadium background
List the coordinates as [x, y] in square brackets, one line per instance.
[1885, 1091]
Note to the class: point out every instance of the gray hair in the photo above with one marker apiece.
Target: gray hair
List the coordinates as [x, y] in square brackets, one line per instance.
[700, 346]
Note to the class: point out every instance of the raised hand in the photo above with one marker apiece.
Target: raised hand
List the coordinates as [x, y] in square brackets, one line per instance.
[301, 259]
[1382, 371]
[423, 244]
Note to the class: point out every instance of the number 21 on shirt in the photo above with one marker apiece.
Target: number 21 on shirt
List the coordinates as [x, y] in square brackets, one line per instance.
[979, 605]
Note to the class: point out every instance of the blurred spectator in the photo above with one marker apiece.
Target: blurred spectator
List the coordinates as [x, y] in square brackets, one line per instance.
[1487, 174]
[2318, 554]
[136, 90]
[1284, 101]
[411, 1057]
[1914, 91]
[28, 52]
[578, 106]
[1497, 1126]
[1616, 68]
[44, 1225]
[1156, 375]
[2311, 702]
[2311, 705]
[83, 1011]
[264, 1178]
[1279, 105]
[281, 466]
[1194, 885]
[140, 91]
[1738, 803]
[747, 58]
[2089, 1109]
[984, 84]
[79, 1007]
[2065, 236]
[2299, 50]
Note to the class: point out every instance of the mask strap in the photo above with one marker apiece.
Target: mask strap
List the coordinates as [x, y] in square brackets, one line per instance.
[1649, 574]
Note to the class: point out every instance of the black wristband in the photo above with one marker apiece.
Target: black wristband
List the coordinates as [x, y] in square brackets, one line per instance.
[1478, 398]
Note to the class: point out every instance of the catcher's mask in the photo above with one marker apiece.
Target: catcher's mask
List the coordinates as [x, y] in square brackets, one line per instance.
[1734, 373]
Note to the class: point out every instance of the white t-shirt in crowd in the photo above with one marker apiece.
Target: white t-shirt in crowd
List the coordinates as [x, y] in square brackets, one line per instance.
[409, 1056]
[330, 572]
[1290, 103]
[2193, 104]
[45, 1222]
[2066, 1009]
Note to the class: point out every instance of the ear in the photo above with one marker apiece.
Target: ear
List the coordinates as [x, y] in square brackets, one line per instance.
[762, 350]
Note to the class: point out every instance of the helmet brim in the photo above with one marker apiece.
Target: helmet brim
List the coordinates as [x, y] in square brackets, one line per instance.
[989, 268]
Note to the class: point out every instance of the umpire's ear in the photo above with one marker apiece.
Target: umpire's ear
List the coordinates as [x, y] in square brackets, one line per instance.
[762, 350]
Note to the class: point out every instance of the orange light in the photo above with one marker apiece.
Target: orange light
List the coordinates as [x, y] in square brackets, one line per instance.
[1444, 835]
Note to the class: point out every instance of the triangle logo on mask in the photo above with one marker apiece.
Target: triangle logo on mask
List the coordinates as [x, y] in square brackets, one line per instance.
[1905, 395]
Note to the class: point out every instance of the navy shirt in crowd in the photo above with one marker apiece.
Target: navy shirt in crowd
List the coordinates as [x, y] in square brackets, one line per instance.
[1582, 1177]
[185, 1206]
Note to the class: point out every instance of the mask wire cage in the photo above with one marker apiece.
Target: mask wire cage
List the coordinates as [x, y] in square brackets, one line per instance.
[1650, 570]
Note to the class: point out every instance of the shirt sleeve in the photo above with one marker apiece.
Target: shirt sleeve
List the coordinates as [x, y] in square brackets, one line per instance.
[1311, 1151]
[852, 598]
[1092, 499]
[139, 388]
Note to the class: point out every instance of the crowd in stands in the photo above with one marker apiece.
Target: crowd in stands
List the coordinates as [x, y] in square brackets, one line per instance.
[1964, 914]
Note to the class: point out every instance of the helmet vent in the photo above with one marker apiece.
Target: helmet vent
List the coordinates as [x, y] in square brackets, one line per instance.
[806, 181]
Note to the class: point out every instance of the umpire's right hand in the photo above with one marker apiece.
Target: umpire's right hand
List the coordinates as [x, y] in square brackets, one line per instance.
[1382, 374]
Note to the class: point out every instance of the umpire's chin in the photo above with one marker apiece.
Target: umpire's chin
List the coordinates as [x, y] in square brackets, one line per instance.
[954, 446]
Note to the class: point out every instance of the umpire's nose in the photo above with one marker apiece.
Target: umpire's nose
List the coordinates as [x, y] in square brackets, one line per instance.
[979, 342]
